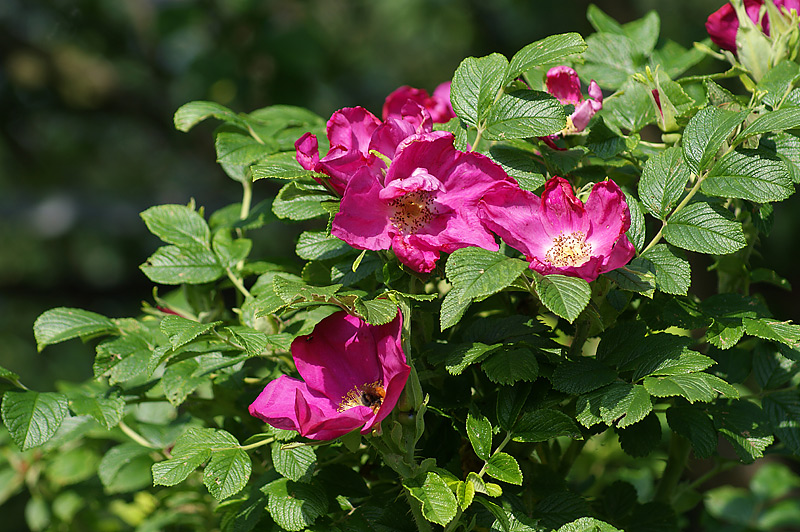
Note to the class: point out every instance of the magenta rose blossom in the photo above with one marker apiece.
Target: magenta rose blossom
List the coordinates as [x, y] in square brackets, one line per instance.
[558, 233]
[426, 203]
[353, 374]
[354, 134]
[723, 23]
[438, 104]
[564, 84]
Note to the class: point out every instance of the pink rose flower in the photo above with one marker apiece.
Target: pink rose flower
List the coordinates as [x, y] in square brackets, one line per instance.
[564, 84]
[723, 23]
[558, 233]
[424, 205]
[354, 133]
[353, 374]
[438, 105]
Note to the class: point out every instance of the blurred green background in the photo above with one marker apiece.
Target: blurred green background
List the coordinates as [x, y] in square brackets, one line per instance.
[87, 93]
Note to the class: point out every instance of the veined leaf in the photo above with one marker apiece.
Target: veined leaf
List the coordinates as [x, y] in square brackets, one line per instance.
[189, 114]
[439, 505]
[562, 295]
[693, 387]
[60, 324]
[543, 52]
[663, 182]
[177, 224]
[505, 468]
[705, 228]
[181, 331]
[32, 417]
[695, 425]
[750, 175]
[705, 133]
[778, 120]
[479, 431]
[544, 424]
[673, 273]
[475, 85]
[524, 114]
[477, 273]
[295, 506]
[183, 265]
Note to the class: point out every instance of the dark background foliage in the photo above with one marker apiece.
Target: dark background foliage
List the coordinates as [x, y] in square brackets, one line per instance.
[88, 89]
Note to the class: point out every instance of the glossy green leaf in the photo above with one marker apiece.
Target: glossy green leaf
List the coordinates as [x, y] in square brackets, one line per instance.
[183, 265]
[564, 296]
[609, 59]
[475, 86]
[693, 387]
[60, 324]
[705, 228]
[582, 376]
[524, 114]
[778, 120]
[439, 505]
[32, 417]
[227, 472]
[479, 431]
[750, 175]
[477, 273]
[544, 424]
[295, 506]
[544, 52]
[317, 245]
[177, 224]
[505, 468]
[507, 366]
[181, 331]
[663, 182]
[672, 270]
[282, 165]
[300, 200]
[294, 463]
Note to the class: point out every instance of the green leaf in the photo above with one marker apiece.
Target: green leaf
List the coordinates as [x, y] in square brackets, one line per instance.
[376, 311]
[587, 524]
[777, 82]
[609, 60]
[637, 232]
[505, 468]
[686, 362]
[637, 276]
[619, 403]
[475, 85]
[523, 114]
[544, 52]
[295, 506]
[705, 133]
[465, 493]
[183, 265]
[559, 507]
[582, 376]
[663, 182]
[32, 417]
[477, 272]
[694, 425]
[291, 291]
[673, 272]
[459, 356]
[507, 366]
[604, 142]
[518, 164]
[749, 174]
[177, 224]
[236, 147]
[253, 342]
[705, 228]
[629, 108]
[294, 463]
[454, 305]
[300, 199]
[778, 120]
[125, 468]
[439, 505]
[181, 331]
[60, 324]
[642, 438]
[745, 426]
[181, 379]
[479, 431]
[122, 359]
[769, 329]
[73, 466]
[188, 115]
[282, 165]
[544, 424]
[227, 472]
[106, 410]
[176, 470]
[783, 410]
[510, 400]
[317, 245]
[693, 387]
[564, 296]
[230, 251]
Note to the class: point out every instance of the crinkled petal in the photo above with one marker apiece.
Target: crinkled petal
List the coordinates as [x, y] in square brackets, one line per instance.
[563, 212]
[393, 104]
[433, 151]
[620, 255]
[320, 419]
[307, 152]
[515, 215]
[363, 220]
[393, 364]
[723, 23]
[609, 216]
[275, 403]
[419, 180]
[563, 83]
[469, 177]
[442, 110]
[415, 253]
[349, 132]
[413, 119]
[584, 112]
[339, 355]
[596, 93]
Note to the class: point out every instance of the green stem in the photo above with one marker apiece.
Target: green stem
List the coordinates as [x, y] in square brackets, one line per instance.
[135, 436]
[679, 448]
[570, 455]
[247, 199]
[581, 335]
[237, 282]
[675, 211]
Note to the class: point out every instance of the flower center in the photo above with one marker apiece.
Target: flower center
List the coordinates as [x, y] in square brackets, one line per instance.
[370, 395]
[412, 211]
[569, 250]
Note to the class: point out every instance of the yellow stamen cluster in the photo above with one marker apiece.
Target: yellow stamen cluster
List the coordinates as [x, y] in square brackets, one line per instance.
[569, 250]
[370, 395]
[412, 211]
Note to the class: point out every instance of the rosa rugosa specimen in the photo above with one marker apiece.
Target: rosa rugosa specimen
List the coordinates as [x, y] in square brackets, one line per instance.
[354, 135]
[438, 104]
[563, 83]
[723, 23]
[558, 233]
[353, 374]
[425, 204]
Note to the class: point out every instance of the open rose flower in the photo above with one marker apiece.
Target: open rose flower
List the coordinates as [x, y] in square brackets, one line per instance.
[438, 104]
[353, 374]
[558, 233]
[354, 134]
[426, 203]
[723, 23]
